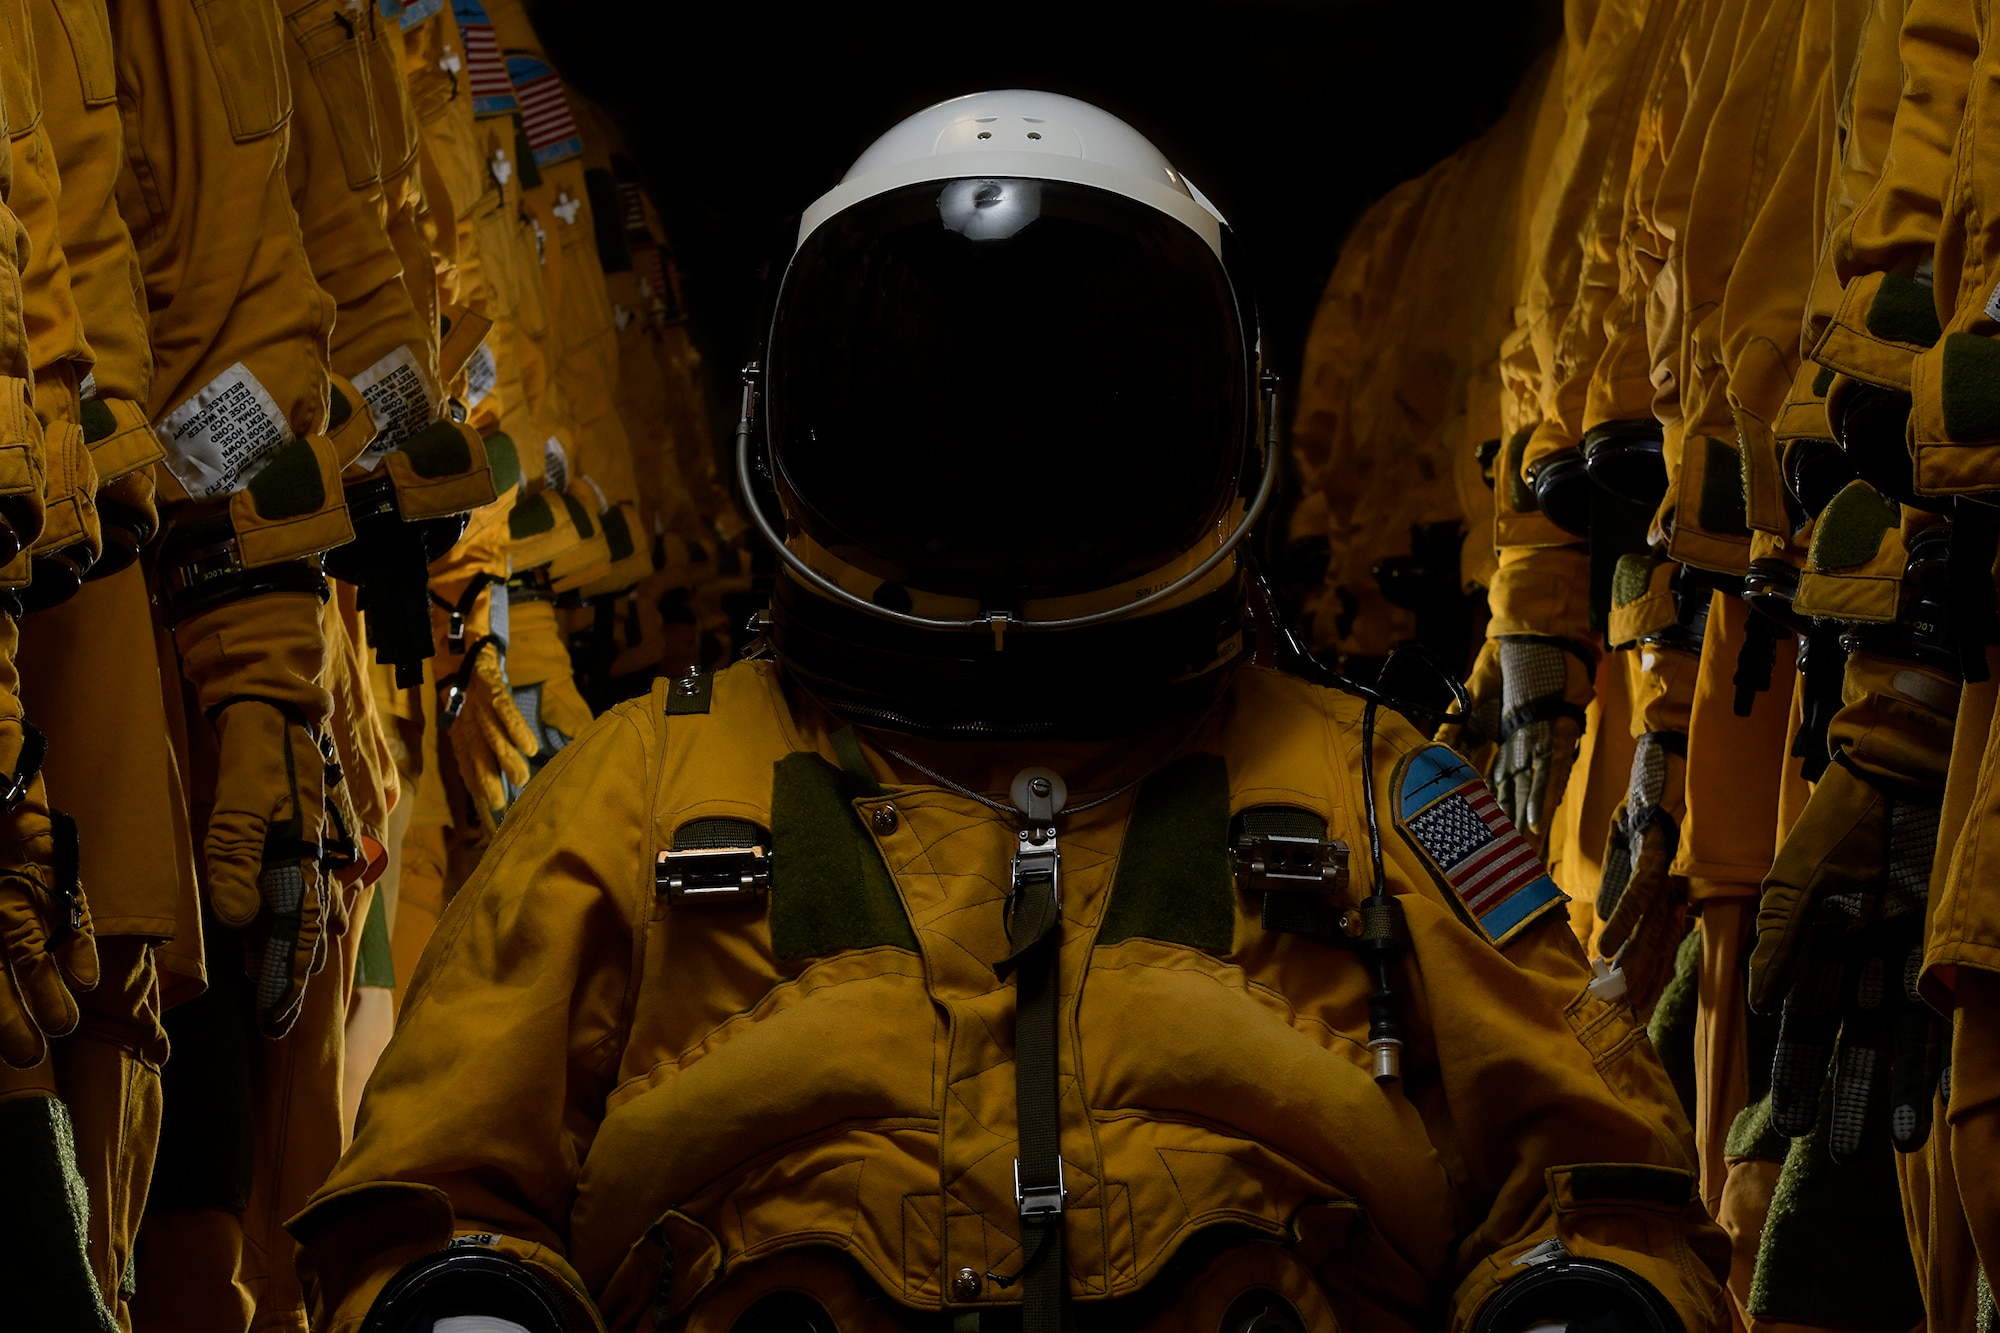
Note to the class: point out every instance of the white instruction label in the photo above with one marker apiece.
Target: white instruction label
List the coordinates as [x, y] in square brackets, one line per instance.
[217, 440]
[1993, 304]
[482, 372]
[399, 399]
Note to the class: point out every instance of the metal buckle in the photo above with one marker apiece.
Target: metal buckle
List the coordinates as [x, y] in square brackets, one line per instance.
[194, 570]
[1268, 862]
[713, 876]
[1038, 859]
[1040, 1201]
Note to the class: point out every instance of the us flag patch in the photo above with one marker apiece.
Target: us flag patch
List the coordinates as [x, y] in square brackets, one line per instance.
[492, 90]
[545, 114]
[1447, 813]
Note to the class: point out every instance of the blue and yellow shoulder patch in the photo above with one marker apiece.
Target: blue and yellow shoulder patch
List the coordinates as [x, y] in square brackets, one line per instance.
[1447, 813]
[409, 13]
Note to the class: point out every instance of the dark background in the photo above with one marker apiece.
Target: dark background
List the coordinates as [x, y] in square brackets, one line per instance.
[1292, 115]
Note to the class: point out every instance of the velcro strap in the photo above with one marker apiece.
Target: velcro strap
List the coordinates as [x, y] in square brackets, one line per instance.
[1539, 710]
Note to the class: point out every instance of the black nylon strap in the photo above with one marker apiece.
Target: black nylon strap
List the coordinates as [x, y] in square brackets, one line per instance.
[1539, 710]
[1033, 934]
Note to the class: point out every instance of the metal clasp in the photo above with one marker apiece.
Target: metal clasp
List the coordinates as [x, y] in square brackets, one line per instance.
[1038, 860]
[1040, 1201]
[1268, 862]
[713, 876]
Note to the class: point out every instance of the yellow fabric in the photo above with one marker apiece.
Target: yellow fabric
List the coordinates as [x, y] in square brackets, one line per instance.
[59, 354]
[207, 102]
[1387, 424]
[385, 332]
[702, 1084]
[91, 669]
[1960, 451]
[1974, 1113]
[1735, 766]
[1579, 222]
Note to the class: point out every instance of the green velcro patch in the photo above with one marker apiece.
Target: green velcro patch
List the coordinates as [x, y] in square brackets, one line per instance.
[98, 421]
[579, 514]
[1851, 528]
[289, 484]
[690, 694]
[1630, 1180]
[617, 533]
[338, 409]
[1834, 1250]
[1631, 579]
[438, 450]
[1903, 311]
[526, 168]
[1822, 382]
[607, 219]
[829, 887]
[1671, 1028]
[1720, 508]
[504, 460]
[1751, 1136]
[46, 1261]
[530, 516]
[1519, 493]
[1173, 882]
[1971, 388]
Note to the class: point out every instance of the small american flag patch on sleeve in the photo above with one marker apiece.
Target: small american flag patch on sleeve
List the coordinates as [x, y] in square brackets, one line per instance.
[1447, 813]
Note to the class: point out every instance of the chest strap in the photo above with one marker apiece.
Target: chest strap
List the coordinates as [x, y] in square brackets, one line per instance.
[1034, 938]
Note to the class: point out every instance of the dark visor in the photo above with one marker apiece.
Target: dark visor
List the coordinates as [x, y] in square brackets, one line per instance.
[1007, 388]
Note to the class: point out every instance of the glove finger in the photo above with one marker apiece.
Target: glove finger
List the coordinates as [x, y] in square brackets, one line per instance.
[511, 758]
[1857, 1067]
[478, 770]
[1539, 774]
[76, 957]
[37, 980]
[234, 853]
[21, 1042]
[1916, 1056]
[510, 724]
[1798, 1069]
[274, 946]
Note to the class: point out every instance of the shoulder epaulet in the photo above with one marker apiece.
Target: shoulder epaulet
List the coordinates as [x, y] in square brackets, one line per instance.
[1448, 815]
[692, 693]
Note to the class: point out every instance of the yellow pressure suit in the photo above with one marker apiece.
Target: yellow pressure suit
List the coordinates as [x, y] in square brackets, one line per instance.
[675, 1111]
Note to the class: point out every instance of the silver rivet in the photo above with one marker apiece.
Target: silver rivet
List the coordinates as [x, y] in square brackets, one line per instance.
[885, 819]
[965, 1285]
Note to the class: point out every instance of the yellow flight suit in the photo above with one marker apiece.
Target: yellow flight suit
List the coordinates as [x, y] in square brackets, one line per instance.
[1327, 421]
[54, 972]
[251, 486]
[90, 663]
[1952, 438]
[756, 1094]
[1397, 486]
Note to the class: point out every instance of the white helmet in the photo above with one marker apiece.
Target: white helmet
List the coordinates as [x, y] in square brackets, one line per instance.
[1010, 392]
